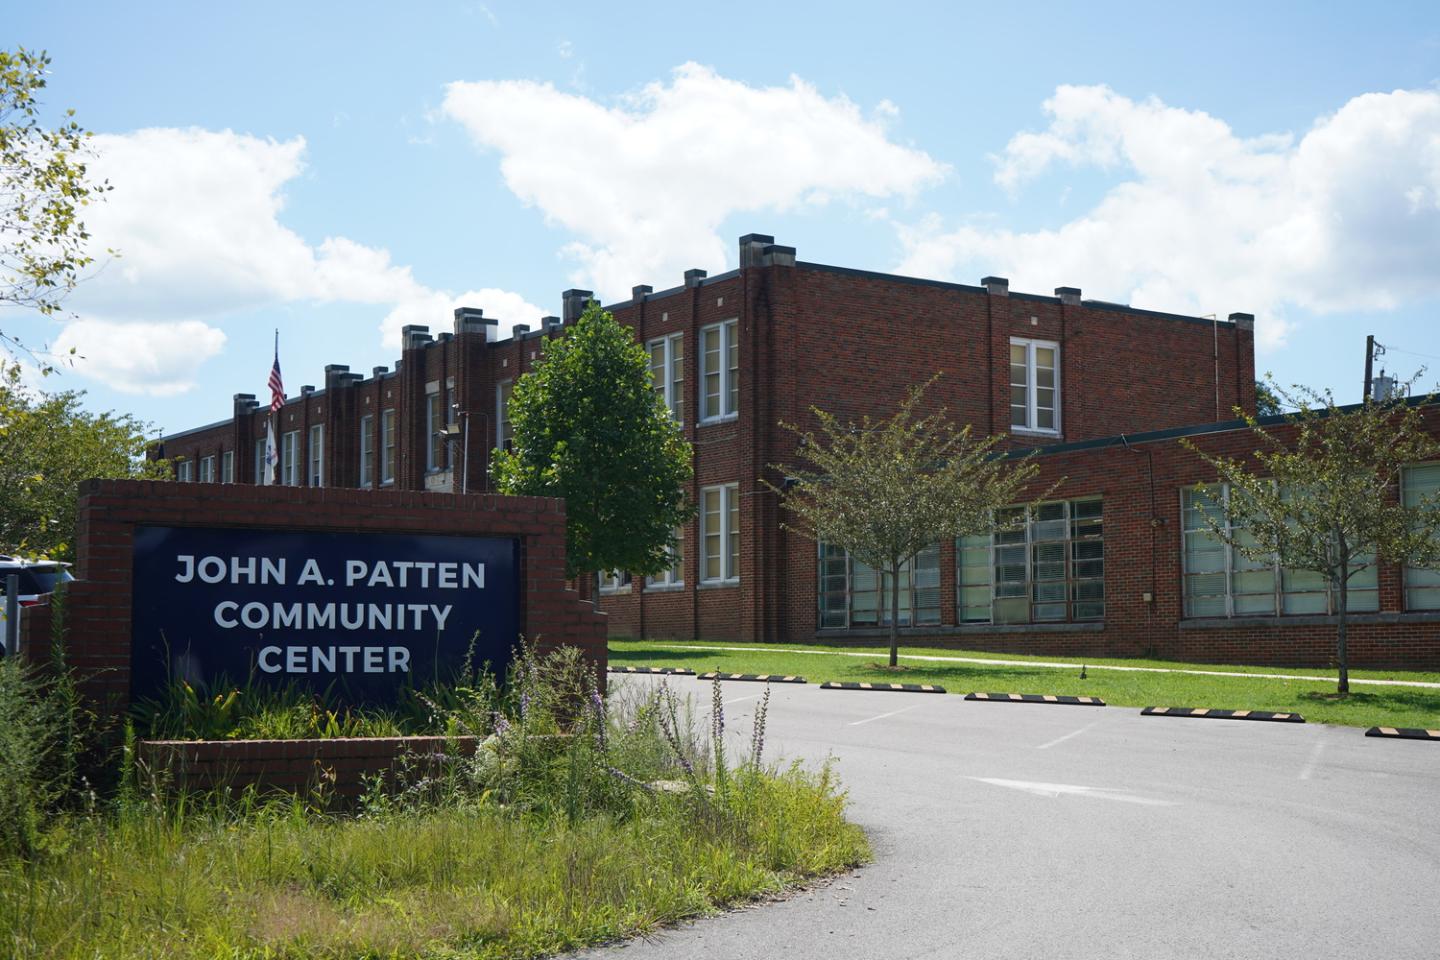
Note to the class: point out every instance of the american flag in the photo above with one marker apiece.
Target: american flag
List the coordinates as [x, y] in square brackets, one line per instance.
[277, 386]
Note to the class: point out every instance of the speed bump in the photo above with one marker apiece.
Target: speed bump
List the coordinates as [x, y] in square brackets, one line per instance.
[757, 677]
[1203, 713]
[897, 687]
[668, 671]
[1036, 698]
[1403, 733]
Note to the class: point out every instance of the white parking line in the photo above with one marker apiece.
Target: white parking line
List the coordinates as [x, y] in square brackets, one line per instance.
[739, 699]
[882, 716]
[1309, 769]
[1054, 790]
[1074, 733]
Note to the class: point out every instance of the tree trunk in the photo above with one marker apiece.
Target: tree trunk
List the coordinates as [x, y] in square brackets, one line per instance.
[1342, 655]
[894, 613]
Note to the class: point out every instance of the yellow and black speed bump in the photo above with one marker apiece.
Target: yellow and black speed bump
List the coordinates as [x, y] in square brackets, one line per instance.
[1205, 714]
[897, 687]
[757, 677]
[1404, 733]
[1036, 698]
[676, 671]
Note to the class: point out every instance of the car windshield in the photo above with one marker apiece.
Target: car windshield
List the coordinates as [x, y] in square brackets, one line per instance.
[37, 579]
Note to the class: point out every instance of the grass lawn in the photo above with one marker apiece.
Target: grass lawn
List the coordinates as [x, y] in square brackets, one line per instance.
[1315, 699]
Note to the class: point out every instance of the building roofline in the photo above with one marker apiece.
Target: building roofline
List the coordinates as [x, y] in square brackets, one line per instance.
[193, 430]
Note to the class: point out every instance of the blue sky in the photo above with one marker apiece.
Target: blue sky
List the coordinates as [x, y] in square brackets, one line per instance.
[338, 170]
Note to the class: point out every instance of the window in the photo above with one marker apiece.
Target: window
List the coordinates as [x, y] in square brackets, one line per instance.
[720, 532]
[290, 458]
[1220, 581]
[674, 575]
[227, 466]
[207, 469]
[614, 581]
[183, 470]
[720, 370]
[1422, 585]
[1035, 386]
[317, 455]
[434, 427]
[502, 414]
[387, 446]
[259, 461]
[667, 370]
[367, 451]
[1046, 565]
[854, 594]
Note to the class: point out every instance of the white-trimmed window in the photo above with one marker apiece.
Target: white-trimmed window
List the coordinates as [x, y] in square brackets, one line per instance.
[720, 370]
[1047, 565]
[367, 451]
[207, 469]
[387, 446]
[317, 455]
[667, 370]
[259, 461]
[290, 458]
[227, 466]
[434, 425]
[720, 534]
[502, 414]
[1034, 385]
[614, 581]
[854, 594]
[1422, 584]
[674, 575]
[1220, 581]
[183, 471]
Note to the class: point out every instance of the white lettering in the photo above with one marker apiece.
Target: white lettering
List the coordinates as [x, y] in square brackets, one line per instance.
[380, 614]
[211, 570]
[272, 571]
[354, 571]
[474, 574]
[399, 660]
[441, 615]
[319, 617]
[187, 569]
[229, 605]
[261, 614]
[295, 660]
[424, 566]
[237, 569]
[404, 567]
[286, 616]
[349, 658]
[372, 660]
[380, 573]
[447, 575]
[346, 622]
[311, 574]
[264, 661]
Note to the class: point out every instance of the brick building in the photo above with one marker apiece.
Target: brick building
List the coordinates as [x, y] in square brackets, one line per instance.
[1117, 565]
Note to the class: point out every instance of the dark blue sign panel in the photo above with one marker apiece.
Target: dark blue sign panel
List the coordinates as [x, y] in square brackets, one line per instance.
[361, 615]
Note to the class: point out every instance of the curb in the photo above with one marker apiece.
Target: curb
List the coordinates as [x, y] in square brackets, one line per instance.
[1036, 698]
[667, 671]
[897, 687]
[1221, 714]
[1403, 733]
[757, 677]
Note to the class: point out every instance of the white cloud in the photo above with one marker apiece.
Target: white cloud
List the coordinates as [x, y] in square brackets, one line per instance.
[438, 306]
[645, 185]
[159, 359]
[1347, 217]
[197, 217]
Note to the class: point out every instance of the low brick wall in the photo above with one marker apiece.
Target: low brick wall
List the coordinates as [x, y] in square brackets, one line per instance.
[333, 767]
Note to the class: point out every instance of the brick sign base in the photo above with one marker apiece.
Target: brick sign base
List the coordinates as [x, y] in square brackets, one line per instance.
[98, 612]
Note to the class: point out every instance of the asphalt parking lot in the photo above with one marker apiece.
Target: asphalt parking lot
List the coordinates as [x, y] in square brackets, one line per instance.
[1044, 831]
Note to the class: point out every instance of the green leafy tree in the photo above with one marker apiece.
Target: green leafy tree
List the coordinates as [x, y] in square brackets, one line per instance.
[1322, 495]
[1267, 401]
[886, 489]
[44, 185]
[588, 426]
[48, 444]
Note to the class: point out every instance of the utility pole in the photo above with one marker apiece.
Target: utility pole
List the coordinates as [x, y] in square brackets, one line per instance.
[1369, 366]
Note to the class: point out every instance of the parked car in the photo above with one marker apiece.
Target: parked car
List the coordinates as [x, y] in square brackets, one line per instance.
[37, 579]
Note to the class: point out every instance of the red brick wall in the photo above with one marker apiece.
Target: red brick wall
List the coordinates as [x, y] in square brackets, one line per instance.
[99, 601]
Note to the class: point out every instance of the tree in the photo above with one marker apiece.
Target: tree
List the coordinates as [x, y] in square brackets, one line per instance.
[48, 444]
[1322, 495]
[588, 426]
[43, 187]
[886, 489]
[1267, 401]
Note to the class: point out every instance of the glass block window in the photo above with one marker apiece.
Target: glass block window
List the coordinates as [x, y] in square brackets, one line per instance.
[1422, 585]
[854, 594]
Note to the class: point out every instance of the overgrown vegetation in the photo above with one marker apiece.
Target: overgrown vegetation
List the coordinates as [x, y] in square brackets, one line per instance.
[578, 819]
